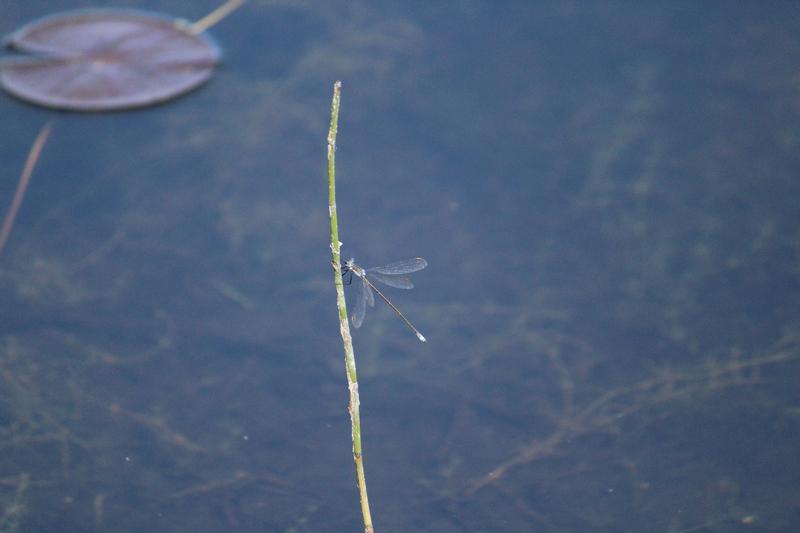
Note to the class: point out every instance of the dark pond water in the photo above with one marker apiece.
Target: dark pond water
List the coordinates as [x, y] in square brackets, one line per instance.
[606, 192]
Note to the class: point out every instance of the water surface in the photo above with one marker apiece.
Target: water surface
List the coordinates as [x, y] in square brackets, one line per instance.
[607, 198]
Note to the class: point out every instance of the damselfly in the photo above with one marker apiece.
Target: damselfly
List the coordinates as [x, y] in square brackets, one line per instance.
[391, 275]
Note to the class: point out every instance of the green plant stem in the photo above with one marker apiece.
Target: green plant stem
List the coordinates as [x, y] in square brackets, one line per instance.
[344, 326]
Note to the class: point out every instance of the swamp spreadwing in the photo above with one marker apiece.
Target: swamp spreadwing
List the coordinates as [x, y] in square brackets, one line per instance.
[391, 275]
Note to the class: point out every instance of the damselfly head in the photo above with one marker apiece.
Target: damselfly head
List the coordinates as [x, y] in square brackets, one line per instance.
[348, 269]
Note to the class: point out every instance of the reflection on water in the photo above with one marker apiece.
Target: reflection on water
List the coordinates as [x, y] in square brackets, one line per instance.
[608, 206]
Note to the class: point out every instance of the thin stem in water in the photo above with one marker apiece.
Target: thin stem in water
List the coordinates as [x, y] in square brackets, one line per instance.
[22, 185]
[344, 326]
